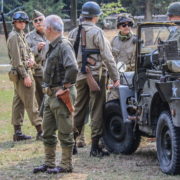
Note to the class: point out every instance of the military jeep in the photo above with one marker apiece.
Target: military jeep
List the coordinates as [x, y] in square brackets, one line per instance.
[147, 103]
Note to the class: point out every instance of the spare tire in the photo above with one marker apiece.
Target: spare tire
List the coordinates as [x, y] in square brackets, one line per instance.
[119, 137]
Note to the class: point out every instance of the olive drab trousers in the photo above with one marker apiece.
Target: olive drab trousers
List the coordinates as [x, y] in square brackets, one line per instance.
[24, 99]
[95, 101]
[39, 94]
[57, 117]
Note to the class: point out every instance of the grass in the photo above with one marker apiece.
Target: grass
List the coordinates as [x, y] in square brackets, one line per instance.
[17, 159]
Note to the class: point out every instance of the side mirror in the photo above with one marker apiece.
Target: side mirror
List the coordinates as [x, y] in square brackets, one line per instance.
[121, 67]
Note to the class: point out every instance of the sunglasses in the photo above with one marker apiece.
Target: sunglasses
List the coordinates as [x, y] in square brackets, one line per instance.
[130, 24]
[38, 20]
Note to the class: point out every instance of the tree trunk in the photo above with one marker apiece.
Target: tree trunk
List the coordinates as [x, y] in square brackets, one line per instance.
[74, 13]
[148, 17]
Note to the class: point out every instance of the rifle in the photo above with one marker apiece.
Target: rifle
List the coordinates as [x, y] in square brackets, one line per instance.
[4, 26]
[86, 59]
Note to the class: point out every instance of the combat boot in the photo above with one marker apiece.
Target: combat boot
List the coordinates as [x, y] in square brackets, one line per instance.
[39, 133]
[75, 151]
[66, 162]
[96, 150]
[49, 160]
[18, 135]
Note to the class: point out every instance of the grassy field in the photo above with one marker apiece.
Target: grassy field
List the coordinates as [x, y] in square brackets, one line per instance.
[17, 159]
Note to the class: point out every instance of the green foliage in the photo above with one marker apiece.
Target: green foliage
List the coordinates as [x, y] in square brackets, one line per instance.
[112, 8]
[45, 6]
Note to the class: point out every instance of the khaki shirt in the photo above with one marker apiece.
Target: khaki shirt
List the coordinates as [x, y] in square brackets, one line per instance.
[95, 39]
[60, 66]
[19, 52]
[33, 38]
[123, 51]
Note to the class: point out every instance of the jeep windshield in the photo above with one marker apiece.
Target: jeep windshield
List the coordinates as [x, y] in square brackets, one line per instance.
[150, 36]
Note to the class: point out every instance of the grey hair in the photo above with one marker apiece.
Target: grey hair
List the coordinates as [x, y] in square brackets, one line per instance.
[54, 22]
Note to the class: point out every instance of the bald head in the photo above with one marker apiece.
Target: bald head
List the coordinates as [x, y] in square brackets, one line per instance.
[54, 22]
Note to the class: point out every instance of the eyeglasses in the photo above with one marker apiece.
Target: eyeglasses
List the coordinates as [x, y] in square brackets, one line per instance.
[130, 24]
[38, 20]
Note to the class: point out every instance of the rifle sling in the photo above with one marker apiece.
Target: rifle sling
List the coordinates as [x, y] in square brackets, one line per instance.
[76, 44]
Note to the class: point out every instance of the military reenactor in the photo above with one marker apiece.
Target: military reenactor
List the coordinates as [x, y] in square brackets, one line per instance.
[173, 14]
[22, 62]
[39, 46]
[59, 75]
[123, 44]
[96, 63]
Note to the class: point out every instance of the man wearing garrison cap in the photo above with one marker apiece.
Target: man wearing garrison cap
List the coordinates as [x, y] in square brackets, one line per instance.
[39, 47]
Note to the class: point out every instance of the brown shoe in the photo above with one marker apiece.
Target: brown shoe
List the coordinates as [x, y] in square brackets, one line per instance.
[58, 169]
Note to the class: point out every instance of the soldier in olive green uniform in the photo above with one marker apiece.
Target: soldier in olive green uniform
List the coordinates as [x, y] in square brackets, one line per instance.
[173, 14]
[60, 72]
[85, 96]
[123, 44]
[24, 87]
[39, 46]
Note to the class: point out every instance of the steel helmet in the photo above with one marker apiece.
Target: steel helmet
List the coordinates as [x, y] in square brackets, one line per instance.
[174, 9]
[20, 16]
[91, 9]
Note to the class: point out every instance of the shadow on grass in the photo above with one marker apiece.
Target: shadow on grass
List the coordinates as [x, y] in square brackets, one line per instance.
[11, 144]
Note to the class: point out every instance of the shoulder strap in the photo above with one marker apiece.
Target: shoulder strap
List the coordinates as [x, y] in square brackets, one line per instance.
[76, 44]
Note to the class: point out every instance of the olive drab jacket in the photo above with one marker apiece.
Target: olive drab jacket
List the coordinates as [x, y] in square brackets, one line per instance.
[124, 51]
[60, 66]
[19, 52]
[95, 39]
[33, 38]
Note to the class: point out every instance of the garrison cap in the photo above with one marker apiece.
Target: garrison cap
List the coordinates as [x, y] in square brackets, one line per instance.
[174, 9]
[36, 14]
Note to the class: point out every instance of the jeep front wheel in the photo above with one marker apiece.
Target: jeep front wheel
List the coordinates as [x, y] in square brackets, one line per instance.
[168, 144]
[118, 136]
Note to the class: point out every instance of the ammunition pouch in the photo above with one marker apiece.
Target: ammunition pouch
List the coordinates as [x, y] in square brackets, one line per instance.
[13, 75]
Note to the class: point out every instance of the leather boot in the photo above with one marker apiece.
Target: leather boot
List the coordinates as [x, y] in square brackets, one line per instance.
[49, 160]
[39, 132]
[96, 150]
[18, 135]
[66, 162]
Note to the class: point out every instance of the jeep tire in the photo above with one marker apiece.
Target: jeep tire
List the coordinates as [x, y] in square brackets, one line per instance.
[118, 136]
[168, 144]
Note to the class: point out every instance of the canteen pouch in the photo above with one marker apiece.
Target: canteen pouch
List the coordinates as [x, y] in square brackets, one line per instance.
[13, 75]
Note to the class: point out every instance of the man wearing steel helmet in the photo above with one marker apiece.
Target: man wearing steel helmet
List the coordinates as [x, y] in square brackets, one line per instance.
[104, 61]
[173, 14]
[39, 46]
[123, 46]
[22, 62]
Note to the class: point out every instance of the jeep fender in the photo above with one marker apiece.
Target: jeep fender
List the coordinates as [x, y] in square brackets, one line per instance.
[124, 93]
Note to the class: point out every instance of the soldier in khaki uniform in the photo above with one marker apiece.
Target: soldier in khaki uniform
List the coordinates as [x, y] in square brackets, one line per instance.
[104, 61]
[39, 46]
[24, 86]
[60, 72]
[123, 44]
